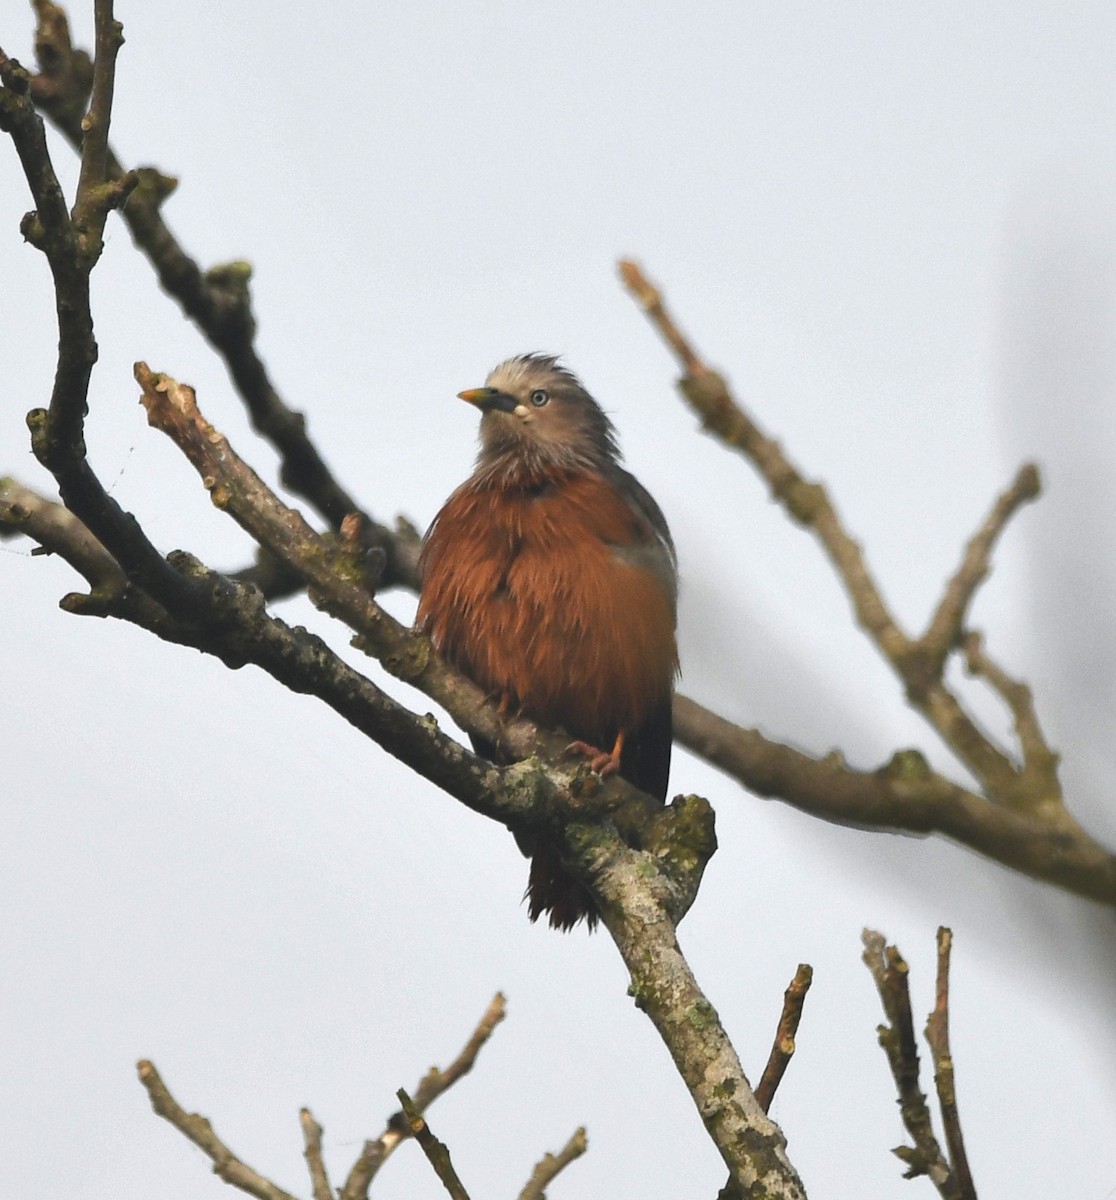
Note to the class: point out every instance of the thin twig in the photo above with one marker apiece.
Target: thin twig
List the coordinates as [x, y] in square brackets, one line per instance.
[94, 200]
[312, 1137]
[226, 1165]
[433, 1084]
[437, 1153]
[650, 299]
[890, 972]
[549, 1166]
[1039, 786]
[947, 625]
[782, 1049]
[937, 1035]
[65, 79]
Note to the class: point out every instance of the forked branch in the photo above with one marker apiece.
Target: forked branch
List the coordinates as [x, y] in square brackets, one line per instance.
[889, 970]
[1019, 817]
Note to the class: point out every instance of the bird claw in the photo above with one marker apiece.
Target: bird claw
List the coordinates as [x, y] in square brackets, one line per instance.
[601, 762]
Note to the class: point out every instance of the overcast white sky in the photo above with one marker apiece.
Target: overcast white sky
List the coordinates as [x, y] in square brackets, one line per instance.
[892, 225]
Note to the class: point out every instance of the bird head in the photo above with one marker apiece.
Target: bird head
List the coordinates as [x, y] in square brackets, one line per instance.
[537, 416]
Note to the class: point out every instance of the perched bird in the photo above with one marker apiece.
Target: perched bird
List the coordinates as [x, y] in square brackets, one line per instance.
[549, 578]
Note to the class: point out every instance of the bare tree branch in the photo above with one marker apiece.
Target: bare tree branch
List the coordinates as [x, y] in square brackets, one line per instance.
[312, 1137]
[905, 794]
[217, 301]
[937, 1035]
[436, 1152]
[1035, 844]
[809, 504]
[405, 1123]
[57, 432]
[433, 1084]
[550, 1165]
[782, 1049]
[950, 1176]
[890, 972]
[1051, 847]
[947, 626]
[1041, 789]
[96, 194]
[197, 1128]
[642, 895]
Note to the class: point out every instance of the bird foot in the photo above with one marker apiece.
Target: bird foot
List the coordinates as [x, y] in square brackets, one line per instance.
[601, 762]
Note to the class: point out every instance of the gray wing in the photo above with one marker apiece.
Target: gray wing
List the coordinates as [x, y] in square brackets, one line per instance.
[658, 555]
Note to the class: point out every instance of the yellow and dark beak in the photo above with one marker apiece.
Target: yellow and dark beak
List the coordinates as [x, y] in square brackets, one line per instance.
[489, 399]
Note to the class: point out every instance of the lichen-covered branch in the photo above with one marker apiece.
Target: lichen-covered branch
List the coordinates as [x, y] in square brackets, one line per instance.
[675, 846]
[642, 894]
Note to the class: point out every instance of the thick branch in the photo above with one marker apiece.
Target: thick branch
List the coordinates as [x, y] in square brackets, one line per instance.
[904, 795]
[637, 907]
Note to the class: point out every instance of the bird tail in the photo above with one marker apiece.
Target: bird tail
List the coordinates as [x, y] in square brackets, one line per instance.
[552, 890]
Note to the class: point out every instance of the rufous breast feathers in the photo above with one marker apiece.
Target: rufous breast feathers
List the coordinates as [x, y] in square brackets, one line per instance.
[549, 594]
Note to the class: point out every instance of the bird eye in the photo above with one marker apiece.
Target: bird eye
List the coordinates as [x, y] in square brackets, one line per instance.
[539, 398]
